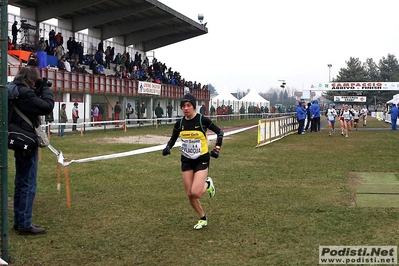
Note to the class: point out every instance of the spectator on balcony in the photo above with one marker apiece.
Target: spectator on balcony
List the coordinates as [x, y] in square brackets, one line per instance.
[100, 47]
[70, 47]
[80, 52]
[14, 32]
[74, 48]
[33, 60]
[10, 45]
[59, 51]
[67, 64]
[108, 58]
[91, 50]
[112, 53]
[59, 39]
[41, 45]
[61, 64]
[94, 67]
[51, 38]
[99, 57]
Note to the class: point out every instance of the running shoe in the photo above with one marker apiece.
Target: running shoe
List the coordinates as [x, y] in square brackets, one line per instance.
[201, 224]
[211, 189]
[346, 135]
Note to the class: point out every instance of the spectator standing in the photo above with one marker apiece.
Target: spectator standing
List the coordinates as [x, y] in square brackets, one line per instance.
[75, 116]
[301, 116]
[129, 111]
[308, 117]
[95, 115]
[49, 118]
[315, 116]
[203, 109]
[142, 110]
[34, 100]
[169, 110]
[63, 119]
[394, 116]
[159, 113]
[117, 110]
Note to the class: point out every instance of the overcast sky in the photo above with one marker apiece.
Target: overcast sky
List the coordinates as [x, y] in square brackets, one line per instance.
[255, 43]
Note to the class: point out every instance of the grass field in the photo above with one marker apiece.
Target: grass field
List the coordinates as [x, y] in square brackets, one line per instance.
[273, 206]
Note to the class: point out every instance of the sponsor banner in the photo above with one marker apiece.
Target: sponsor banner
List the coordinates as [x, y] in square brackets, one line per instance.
[351, 86]
[149, 88]
[358, 255]
[354, 99]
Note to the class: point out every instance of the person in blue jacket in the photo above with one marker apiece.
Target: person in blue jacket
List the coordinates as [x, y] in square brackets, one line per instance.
[301, 116]
[315, 116]
[394, 116]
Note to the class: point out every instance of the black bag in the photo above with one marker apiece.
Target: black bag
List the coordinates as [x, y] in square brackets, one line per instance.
[21, 140]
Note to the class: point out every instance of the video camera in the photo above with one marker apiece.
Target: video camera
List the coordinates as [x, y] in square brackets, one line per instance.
[27, 26]
[49, 83]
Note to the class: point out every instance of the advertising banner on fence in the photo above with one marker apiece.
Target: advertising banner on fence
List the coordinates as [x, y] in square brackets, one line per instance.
[149, 88]
[352, 99]
[351, 86]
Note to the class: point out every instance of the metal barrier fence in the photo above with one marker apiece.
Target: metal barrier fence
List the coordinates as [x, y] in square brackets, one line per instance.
[275, 128]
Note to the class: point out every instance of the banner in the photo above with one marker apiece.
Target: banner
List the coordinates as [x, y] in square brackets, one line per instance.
[351, 86]
[149, 88]
[355, 99]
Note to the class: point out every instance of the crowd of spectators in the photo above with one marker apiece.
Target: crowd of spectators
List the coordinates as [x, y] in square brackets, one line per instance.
[121, 65]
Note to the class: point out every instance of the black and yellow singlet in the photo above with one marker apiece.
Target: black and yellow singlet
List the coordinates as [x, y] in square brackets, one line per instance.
[194, 137]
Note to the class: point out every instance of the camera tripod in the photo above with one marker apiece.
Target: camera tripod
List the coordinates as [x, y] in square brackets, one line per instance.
[25, 37]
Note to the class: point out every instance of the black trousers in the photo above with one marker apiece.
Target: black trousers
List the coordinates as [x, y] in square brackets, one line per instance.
[316, 124]
[300, 126]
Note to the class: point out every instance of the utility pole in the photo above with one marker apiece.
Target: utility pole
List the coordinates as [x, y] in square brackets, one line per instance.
[329, 72]
[4, 129]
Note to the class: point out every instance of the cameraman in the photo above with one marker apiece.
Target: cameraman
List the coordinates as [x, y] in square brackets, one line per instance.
[14, 32]
[33, 98]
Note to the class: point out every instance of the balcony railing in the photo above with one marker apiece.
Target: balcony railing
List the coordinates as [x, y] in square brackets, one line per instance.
[100, 84]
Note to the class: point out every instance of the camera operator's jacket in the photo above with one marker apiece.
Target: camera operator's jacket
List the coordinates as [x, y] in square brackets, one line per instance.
[29, 103]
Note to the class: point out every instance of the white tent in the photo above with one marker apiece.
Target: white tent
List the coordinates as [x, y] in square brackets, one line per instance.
[394, 100]
[225, 98]
[253, 98]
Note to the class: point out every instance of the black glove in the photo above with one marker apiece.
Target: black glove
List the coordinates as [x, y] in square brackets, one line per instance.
[40, 85]
[166, 151]
[215, 153]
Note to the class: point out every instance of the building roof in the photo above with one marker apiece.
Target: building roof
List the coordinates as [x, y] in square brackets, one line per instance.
[147, 24]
